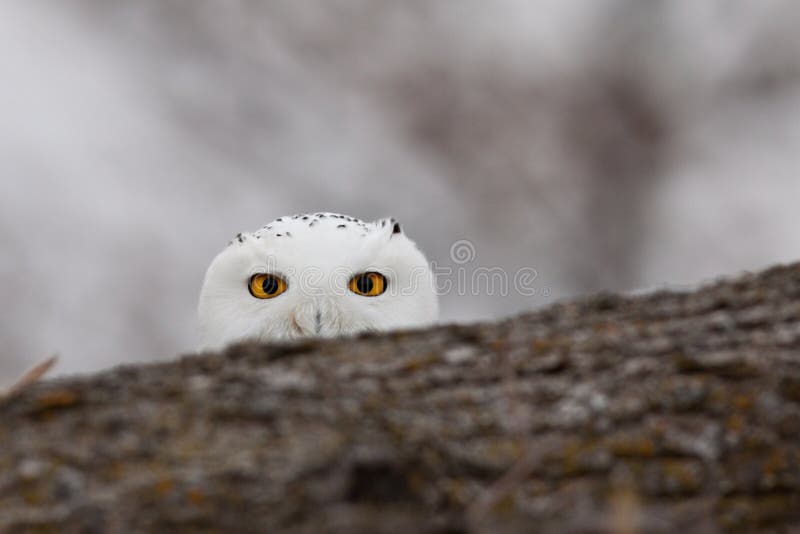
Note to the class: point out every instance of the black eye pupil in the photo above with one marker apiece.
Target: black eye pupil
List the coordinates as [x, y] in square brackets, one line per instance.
[269, 285]
[364, 283]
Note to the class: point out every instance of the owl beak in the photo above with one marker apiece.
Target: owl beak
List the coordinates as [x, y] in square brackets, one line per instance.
[318, 322]
[312, 318]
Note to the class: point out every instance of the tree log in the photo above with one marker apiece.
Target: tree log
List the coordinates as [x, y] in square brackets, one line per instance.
[648, 413]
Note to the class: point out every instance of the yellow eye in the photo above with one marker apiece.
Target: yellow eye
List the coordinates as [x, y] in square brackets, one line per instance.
[266, 286]
[368, 284]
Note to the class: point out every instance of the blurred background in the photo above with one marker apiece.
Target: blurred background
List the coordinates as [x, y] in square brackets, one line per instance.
[608, 144]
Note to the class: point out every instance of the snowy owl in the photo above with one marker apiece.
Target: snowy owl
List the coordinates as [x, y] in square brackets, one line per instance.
[320, 274]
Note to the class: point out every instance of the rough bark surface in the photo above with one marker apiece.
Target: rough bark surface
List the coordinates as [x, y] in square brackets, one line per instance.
[622, 414]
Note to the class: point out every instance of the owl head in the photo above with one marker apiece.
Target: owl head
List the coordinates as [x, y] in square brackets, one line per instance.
[321, 274]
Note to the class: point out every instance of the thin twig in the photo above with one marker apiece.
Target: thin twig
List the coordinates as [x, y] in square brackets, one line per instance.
[29, 378]
[511, 479]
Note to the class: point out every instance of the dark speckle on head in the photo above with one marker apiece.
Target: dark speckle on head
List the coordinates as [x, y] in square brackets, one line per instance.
[315, 220]
[396, 229]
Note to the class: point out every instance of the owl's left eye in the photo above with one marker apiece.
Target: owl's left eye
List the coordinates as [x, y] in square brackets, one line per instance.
[266, 286]
[369, 284]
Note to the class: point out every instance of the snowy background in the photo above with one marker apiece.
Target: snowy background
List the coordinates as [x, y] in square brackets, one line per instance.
[612, 144]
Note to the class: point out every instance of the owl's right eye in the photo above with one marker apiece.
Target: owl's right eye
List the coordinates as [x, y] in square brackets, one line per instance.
[266, 286]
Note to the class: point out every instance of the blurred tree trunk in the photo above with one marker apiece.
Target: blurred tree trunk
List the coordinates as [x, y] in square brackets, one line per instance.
[652, 414]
